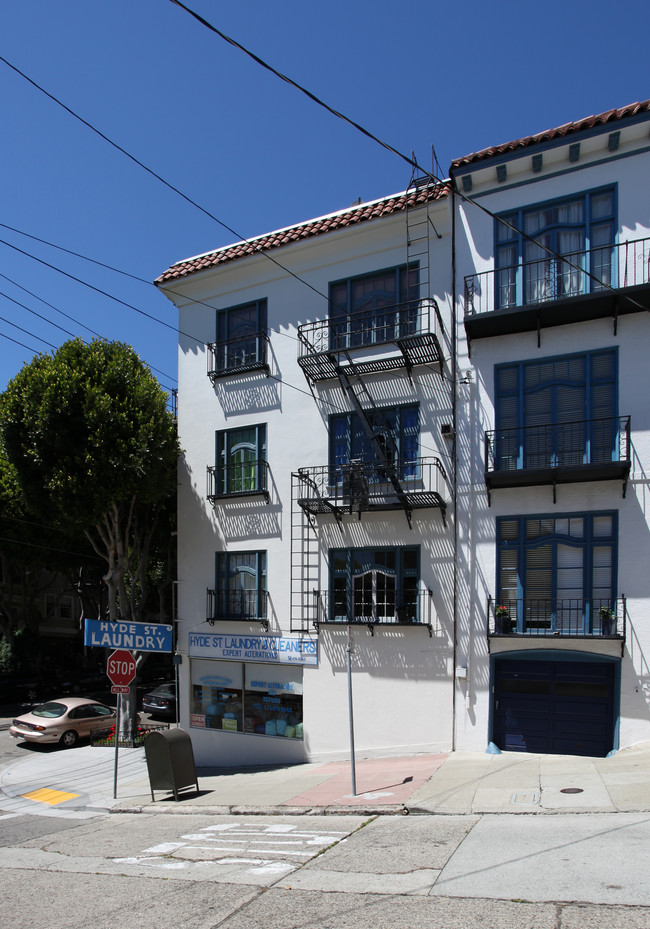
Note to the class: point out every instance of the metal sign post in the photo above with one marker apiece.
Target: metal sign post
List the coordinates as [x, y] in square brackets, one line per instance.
[120, 669]
[117, 733]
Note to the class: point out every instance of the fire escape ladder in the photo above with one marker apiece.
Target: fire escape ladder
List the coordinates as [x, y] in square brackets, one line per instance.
[304, 562]
[382, 439]
[418, 230]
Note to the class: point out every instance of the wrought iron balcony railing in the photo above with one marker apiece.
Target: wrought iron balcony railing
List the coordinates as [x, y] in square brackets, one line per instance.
[239, 605]
[405, 606]
[238, 356]
[362, 485]
[595, 445]
[561, 616]
[245, 479]
[415, 327]
[626, 264]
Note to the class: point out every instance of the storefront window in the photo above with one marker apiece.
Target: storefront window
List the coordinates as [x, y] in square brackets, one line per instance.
[270, 703]
[217, 695]
[273, 701]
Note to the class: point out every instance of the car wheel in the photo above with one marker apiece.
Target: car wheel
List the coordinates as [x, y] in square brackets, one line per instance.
[69, 739]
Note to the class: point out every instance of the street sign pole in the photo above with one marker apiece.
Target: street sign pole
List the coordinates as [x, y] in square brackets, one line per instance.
[120, 669]
[117, 732]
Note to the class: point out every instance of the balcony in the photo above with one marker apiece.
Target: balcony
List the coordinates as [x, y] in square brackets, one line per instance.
[238, 356]
[592, 284]
[413, 328]
[363, 486]
[363, 607]
[576, 618]
[238, 606]
[559, 453]
[244, 479]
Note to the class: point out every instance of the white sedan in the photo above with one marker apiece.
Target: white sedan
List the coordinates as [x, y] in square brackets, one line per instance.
[65, 721]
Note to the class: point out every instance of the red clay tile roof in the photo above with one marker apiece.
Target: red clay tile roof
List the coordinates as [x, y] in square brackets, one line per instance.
[589, 122]
[313, 227]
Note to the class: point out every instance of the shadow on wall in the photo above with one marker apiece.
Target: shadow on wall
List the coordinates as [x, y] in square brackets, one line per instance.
[249, 393]
[386, 655]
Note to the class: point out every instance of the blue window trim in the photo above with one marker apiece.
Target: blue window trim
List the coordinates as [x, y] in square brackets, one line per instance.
[252, 603]
[234, 349]
[515, 238]
[587, 544]
[223, 316]
[351, 422]
[251, 478]
[401, 573]
[354, 327]
[589, 384]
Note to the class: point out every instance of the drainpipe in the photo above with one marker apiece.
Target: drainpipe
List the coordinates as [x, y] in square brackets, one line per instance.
[454, 463]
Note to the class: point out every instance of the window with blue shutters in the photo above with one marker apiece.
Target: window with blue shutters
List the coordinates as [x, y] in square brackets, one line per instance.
[560, 412]
[557, 574]
[555, 250]
[374, 308]
[241, 461]
[241, 336]
[374, 585]
[396, 429]
[240, 585]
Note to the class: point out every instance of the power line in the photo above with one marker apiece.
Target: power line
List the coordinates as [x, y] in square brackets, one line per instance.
[292, 83]
[102, 264]
[98, 290]
[149, 170]
[175, 329]
[27, 332]
[51, 305]
[39, 315]
[412, 161]
[34, 351]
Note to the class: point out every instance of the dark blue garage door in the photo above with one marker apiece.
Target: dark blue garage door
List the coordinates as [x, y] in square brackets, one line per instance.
[561, 707]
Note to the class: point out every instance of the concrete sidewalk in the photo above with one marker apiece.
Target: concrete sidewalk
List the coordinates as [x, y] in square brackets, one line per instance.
[456, 783]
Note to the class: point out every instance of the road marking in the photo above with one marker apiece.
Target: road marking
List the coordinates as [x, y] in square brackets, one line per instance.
[51, 797]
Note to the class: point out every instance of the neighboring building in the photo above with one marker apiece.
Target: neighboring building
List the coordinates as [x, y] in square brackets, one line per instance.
[468, 530]
[553, 454]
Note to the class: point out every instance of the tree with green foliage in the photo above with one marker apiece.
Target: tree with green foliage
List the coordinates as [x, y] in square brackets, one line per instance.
[94, 449]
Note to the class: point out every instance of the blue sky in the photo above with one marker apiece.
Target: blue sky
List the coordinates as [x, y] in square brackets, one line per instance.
[247, 147]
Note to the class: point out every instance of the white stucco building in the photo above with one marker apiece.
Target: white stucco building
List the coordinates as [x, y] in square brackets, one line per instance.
[417, 429]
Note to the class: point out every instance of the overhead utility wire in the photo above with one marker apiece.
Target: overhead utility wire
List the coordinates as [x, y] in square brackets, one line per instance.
[34, 351]
[40, 316]
[51, 305]
[410, 161]
[150, 171]
[155, 319]
[98, 290]
[26, 331]
[292, 83]
[102, 264]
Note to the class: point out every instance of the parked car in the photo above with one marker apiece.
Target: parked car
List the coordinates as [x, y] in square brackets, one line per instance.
[65, 720]
[161, 701]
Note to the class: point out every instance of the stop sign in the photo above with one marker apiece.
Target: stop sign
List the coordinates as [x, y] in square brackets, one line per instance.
[120, 667]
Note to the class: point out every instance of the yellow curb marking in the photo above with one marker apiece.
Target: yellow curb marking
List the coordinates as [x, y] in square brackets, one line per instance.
[51, 797]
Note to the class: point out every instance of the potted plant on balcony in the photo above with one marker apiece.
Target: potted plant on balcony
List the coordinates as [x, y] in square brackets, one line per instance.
[502, 620]
[607, 620]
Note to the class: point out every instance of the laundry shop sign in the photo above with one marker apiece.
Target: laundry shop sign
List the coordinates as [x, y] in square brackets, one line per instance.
[271, 649]
[137, 637]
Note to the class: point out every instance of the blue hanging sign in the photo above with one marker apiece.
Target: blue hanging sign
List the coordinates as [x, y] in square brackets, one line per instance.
[136, 637]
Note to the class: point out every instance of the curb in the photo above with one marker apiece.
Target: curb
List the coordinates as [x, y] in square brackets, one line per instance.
[234, 810]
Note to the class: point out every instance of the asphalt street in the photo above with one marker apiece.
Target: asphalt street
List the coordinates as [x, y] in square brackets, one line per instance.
[71, 859]
[206, 871]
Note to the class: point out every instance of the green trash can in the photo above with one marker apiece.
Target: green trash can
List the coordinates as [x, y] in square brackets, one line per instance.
[170, 761]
